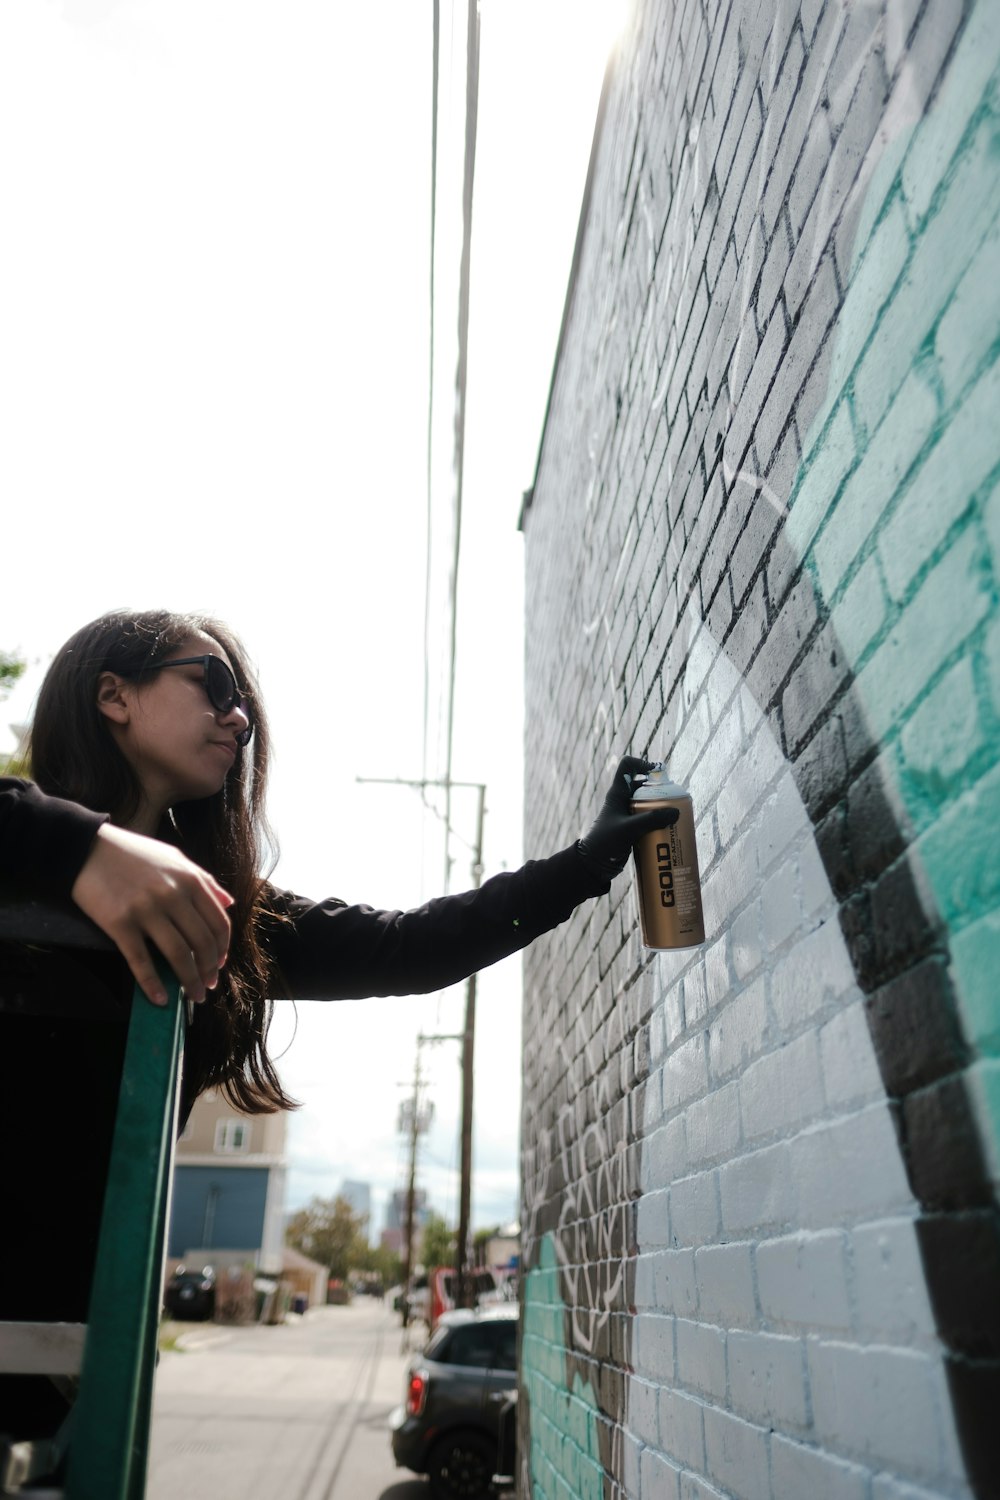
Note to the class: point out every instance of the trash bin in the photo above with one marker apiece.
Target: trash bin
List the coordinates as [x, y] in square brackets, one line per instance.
[301, 1302]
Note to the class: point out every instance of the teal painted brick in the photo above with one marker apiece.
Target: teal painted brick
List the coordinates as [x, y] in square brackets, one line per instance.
[569, 1464]
[968, 77]
[871, 284]
[871, 487]
[861, 612]
[944, 735]
[991, 666]
[961, 854]
[971, 324]
[991, 520]
[956, 596]
[975, 955]
[950, 475]
[820, 478]
[577, 1419]
[969, 204]
[591, 1478]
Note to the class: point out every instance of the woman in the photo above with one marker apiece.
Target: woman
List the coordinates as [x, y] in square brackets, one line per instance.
[149, 753]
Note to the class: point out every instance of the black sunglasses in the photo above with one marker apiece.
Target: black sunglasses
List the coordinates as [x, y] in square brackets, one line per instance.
[220, 685]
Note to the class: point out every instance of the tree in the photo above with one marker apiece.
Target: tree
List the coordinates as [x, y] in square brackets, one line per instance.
[11, 668]
[330, 1232]
[437, 1247]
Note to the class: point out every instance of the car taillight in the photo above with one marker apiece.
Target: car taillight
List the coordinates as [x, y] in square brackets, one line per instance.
[416, 1393]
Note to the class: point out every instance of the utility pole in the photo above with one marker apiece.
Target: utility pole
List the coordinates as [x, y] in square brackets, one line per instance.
[414, 1120]
[463, 1290]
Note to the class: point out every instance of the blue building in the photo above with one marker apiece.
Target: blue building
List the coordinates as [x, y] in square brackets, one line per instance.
[229, 1187]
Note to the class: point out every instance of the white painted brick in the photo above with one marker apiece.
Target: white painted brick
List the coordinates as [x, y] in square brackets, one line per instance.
[782, 913]
[653, 1337]
[713, 1125]
[850, 1072]
[812, 978]
[653, 1219]
[664, 1153]
[737, 796]
[675, 1287]
[682, 1434]
[718, 977]
[889, 1285]
[736, 1455]
[764, 753]
[767, 1379]
[695, 988]
[658, 1478]
[632, 1451]
[815, 894]
[740, 1033]
[645, 1280]
[693, 1487]
[782, 823]
[850, 1168]
[685, 1073]
[735, 878]
[886, 1487]
[725, 1284]
[701, 1358]
[783, 1090]
[757, 1191]
[801, 1473]
[746, 941]
[643, 1410]
[877, 1405]
[694, 1209]
[802, 1281]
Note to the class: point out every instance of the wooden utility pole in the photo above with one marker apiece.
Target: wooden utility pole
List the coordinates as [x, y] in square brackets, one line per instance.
[464, 1290]
[414, 1119]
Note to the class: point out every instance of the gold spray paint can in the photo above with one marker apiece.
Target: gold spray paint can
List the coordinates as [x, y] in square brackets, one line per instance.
[666, 869]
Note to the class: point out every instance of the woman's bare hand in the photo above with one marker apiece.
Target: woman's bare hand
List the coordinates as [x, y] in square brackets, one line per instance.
[140, 891]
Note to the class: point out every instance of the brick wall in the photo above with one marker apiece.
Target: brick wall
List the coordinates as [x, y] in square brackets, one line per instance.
[762, 1250]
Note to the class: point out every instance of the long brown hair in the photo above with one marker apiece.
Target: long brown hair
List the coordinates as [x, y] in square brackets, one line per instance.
[73, 755]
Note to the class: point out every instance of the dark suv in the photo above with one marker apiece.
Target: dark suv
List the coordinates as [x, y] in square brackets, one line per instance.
[190, 1294]
[457, 1421]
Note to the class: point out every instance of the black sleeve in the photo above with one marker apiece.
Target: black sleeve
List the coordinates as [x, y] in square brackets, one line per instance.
[330, 951]
[44, 841]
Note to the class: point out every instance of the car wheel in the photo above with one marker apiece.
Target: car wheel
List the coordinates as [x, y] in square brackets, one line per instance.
[461, 1467]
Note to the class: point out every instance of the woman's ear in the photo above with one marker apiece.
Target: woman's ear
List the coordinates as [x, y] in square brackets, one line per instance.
[111, 697]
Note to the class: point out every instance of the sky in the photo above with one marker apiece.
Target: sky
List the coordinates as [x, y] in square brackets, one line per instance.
[214, 392]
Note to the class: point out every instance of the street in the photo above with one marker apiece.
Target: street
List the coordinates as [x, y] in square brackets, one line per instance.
[297, 1412]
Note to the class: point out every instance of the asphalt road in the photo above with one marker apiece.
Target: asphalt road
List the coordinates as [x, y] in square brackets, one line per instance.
[297, 1412]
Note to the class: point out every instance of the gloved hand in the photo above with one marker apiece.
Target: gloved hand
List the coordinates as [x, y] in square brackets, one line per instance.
[607, 846]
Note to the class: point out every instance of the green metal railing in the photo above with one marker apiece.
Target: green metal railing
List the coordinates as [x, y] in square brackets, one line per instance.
[105, 1438]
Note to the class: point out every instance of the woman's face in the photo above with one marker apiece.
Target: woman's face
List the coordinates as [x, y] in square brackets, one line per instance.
[180, 747]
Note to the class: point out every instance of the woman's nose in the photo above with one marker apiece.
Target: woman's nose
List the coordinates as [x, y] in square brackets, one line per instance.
[236, 717]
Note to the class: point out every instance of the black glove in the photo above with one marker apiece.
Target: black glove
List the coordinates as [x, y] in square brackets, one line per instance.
[607, 846]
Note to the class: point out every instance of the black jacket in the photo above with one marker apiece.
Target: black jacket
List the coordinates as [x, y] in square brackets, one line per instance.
[328, 950]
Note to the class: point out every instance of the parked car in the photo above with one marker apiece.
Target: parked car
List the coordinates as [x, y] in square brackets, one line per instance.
[191, 1294]
[434, 1293]
[456, 1424]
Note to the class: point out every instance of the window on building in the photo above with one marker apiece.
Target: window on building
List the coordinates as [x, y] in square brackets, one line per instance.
[232, 1136]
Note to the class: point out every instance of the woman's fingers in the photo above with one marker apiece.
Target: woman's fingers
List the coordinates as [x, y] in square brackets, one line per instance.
[140, 891]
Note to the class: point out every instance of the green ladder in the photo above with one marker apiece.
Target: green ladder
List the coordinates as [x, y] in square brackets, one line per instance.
[103, 1445]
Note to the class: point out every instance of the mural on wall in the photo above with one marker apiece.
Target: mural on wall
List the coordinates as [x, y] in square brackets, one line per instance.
[776, 1228]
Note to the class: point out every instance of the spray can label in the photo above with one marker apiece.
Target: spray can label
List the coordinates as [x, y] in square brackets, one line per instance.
[668, 884]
